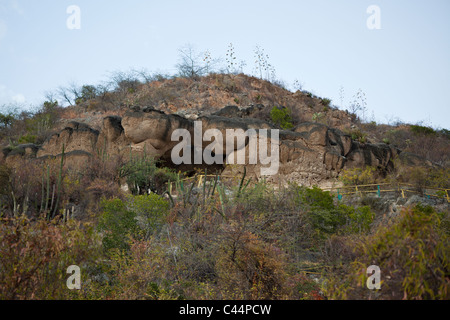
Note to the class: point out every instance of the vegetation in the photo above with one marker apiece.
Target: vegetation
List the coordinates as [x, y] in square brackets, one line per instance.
[358, 176]
[281, 117]
[226, 241]
[413, 251]
[172, 237]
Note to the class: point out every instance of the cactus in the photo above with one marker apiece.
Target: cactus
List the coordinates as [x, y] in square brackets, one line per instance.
[241, 184]
[204, 186]
[221, 191]
[59, 183]
[215, 184]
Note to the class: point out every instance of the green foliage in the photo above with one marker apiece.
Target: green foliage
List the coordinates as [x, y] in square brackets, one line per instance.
[309, 94]
[143, 174]
[358, 135]
[6, 119]
[445, 133]
[359, 219]
[318, 117]
[150, 210]
[423, 177]
[358, 176]
[282, 117]
[422, 130]
[137, 218]
[118, 225]
[326, 102]
[413, 253]
[28, 138]
[328, 218]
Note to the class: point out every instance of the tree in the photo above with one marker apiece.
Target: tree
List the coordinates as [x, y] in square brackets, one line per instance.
[190, 63]
[88, 92]
[70, 94]
[6, 120]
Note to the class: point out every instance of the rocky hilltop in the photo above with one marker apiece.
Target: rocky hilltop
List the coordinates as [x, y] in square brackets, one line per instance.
[310, 154]
[320, 142]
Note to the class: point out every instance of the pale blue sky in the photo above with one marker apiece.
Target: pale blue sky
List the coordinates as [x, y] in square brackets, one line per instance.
[404, 68]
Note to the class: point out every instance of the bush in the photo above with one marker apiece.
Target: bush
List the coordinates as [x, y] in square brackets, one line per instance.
[142, 175]
[151, 211]
[358, 135]
[36, 254]
[424, 177]
[6, 120]
[421, 130]
[28, 138]
[327, 218]
[137, 218]
[318, 117]
[118, 224]
[281, 117]
[358, 176]
[326, 102]
[249, 268]
[412, 254]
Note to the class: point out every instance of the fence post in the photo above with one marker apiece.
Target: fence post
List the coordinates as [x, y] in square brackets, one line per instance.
[379, 191]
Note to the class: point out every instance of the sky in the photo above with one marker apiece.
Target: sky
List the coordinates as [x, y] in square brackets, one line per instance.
[398, 55]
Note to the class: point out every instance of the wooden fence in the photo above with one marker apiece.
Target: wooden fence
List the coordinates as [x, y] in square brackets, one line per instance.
[403, 189]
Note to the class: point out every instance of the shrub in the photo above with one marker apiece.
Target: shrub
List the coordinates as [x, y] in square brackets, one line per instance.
[281, 117]
[7, 120]
[118, 224]
[143, 175]
[358, 135]
[249, 268]
[412, 254]
[318, 117]
[359, 219]
[326, 102]
[137, 218]
[28, 138]
[36, 254]
[151, 211]
[423, 177]
[329, 218]
[422, 130]
[358, 176]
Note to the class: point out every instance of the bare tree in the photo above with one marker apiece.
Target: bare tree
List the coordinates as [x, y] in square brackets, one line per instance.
[70, 94]
[190, 63]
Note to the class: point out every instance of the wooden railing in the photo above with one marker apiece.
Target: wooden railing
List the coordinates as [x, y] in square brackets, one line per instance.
[403, 189]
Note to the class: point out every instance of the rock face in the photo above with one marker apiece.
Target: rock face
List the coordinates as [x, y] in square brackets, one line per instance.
[309, 154]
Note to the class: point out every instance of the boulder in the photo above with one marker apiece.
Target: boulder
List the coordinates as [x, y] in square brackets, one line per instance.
[75, 137]
[311, 153]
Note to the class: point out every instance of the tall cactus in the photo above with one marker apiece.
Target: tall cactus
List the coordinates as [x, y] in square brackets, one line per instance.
[58, 191]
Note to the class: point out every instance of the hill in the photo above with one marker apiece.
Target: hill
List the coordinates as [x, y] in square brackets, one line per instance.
[112, 184]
